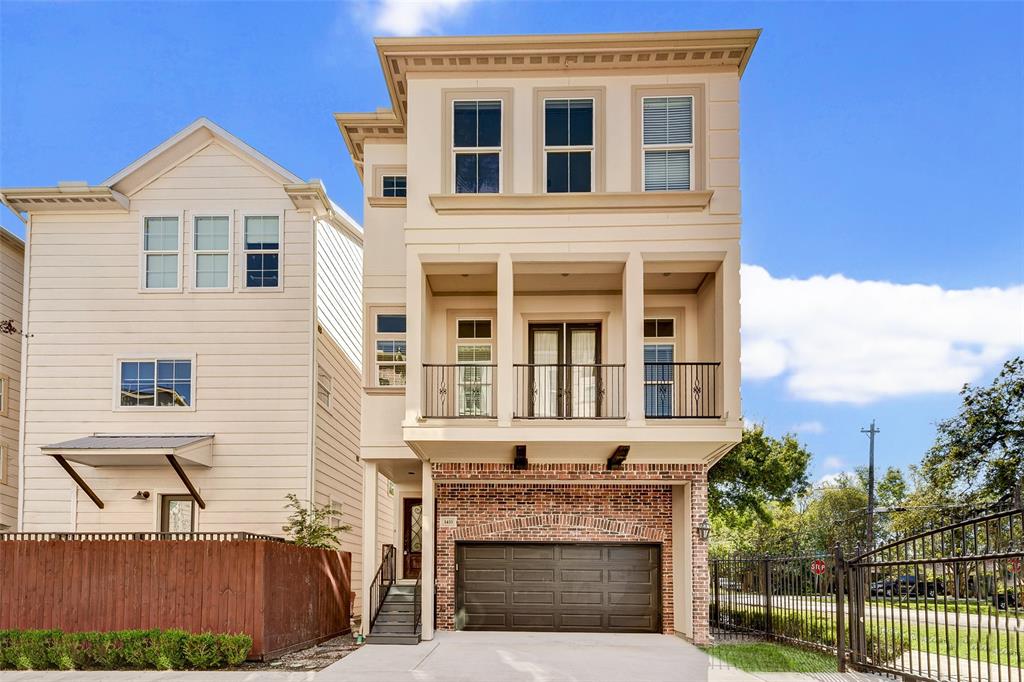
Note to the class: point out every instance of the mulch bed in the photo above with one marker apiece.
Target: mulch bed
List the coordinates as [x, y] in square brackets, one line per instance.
[314, 658]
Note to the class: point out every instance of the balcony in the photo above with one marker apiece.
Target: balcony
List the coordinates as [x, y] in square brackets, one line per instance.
[569, 391]
[461, 391]
[681, 390]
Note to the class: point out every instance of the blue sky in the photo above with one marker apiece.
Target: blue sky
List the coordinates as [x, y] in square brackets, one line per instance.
[883, 142]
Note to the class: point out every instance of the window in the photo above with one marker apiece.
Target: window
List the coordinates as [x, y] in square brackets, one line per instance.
[262, 251]
[3, 464]
[177, 514]
[156, 383]
[475, 373]
[476, 142]
[569, 144]
[324, 385]
[211, 244]
[659, 370]
[667, 143]
[5, 386]
[393, 186]
[161, 244]
[389, 355]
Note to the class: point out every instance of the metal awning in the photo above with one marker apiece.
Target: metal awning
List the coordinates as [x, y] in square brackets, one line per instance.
[134, 450]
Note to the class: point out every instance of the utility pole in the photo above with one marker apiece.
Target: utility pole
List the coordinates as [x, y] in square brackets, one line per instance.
[871, 431]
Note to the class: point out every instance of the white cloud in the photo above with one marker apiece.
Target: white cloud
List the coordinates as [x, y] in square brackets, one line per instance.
[839, 340]
[408, 17]
[808, 427]
[832, 480]
[833, 463]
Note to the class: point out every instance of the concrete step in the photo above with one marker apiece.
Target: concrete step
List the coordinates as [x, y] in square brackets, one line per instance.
[403, 590]
[396, 628]
[399, 607]
[393, 638]
[399, 598]
[394, 619]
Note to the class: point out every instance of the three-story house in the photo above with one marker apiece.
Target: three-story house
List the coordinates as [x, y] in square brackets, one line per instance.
[551, 347]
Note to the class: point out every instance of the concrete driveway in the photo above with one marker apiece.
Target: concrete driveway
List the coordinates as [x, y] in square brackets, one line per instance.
[525, 656]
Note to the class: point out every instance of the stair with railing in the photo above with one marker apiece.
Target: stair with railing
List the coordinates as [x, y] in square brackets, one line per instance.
[395, 607]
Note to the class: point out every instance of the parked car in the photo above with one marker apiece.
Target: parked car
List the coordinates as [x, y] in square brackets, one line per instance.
[1007, 599]
[907, 586]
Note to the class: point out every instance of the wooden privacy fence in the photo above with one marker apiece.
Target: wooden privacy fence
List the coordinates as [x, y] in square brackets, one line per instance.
[283, 596]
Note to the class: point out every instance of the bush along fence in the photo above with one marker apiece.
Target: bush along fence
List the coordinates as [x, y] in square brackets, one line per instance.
[943, 605]
[283, 596]
[125, 649]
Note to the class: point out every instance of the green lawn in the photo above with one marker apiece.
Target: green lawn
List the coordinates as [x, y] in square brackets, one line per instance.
[764, 657]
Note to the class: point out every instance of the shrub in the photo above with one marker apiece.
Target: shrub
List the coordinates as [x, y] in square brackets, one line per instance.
[132, 649]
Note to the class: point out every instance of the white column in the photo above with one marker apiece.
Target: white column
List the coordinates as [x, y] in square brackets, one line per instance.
[415, 316]
[371, 559]
[506, 377]
[729, 313]
[633, 320]
[429, 555]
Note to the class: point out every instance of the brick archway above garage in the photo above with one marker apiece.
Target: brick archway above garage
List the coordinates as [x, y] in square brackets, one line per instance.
[561, 527]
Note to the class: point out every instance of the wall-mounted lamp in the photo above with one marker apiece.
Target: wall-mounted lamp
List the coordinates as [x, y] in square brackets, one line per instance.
[704, 529]
[141, 495]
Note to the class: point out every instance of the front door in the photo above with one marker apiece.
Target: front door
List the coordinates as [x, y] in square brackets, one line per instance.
[412, 537]
[564, 374]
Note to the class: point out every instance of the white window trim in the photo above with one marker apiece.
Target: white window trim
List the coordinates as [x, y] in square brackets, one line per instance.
[180, 217]
[151, 357]
[5, 395]
[230, 252]
[325, 380]
[592, 147]
[156, 497]
[389, 336]
[4, 463]
[395, 175]
[279, 251]
[644, 147]
[479, 150]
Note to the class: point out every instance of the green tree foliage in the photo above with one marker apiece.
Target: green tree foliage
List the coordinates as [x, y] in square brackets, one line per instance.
[758, 471]
[310, 526]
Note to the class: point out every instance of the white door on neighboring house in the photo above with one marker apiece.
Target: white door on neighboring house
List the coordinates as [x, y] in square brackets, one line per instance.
[177, 514]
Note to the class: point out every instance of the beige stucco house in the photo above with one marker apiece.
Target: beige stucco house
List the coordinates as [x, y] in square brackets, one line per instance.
[194, 348]
[12, 257]
[551, 348]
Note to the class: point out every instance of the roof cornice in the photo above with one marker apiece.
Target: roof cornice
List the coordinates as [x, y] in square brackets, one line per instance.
[63, 198]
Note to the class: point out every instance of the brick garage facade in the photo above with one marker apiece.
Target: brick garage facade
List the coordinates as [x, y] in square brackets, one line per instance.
[570, 503]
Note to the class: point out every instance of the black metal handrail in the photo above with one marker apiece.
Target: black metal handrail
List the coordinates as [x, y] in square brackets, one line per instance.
[416, 602]
[681, 390]
[149, 536]
[382, 582]
[459, 391]
[570, 391]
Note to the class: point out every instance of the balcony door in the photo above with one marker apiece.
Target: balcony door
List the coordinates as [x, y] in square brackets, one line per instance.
[564, 372]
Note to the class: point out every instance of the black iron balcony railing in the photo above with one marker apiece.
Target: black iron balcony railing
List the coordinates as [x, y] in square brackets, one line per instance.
[459, 391]
[681, 390]
[570, 391]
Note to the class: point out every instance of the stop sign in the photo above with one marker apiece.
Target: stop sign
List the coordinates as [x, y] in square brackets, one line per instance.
[818, 567]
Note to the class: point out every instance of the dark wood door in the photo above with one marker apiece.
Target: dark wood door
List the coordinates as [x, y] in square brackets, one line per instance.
[583, 587]
[412, 540]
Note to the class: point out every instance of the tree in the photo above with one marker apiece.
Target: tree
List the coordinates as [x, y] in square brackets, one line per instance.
[310, 526]
[836, 514]
[978, 455]
[761, 469]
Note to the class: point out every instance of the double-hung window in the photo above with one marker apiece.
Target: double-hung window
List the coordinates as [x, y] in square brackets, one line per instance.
[161, 248]
[5, 385]
[389, 351]
[476, 146]
[262, 251]
[393, 186]
[211, 246]
[473, 353]
[659, 370]
[569, 144]
[324, 387]
[156, 383]
[667, 143]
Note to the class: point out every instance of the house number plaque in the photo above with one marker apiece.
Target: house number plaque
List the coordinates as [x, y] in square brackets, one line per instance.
[448, 521]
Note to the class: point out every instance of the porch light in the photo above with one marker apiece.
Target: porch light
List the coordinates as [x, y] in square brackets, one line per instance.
[704, 529]
[141, 495]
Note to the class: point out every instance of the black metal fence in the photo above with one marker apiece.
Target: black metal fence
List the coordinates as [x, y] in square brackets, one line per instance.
[459, 391]
[561, 391]
[382, 582]
[681, 390]
[944, 605]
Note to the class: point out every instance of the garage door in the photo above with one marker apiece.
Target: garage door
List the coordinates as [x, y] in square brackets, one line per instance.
[571, 587]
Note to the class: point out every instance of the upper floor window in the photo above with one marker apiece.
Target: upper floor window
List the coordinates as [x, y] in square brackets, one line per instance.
[476, 146]
[211, 245]
[393, 186]
[667, 143]
[389, 349]
[659, 372]
[161, 247]
[156, 383]
[262, 251]
[5, 386]
[324, 387]
[569, 144]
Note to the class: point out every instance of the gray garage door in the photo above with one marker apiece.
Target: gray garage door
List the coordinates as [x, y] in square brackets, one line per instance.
[545, 586]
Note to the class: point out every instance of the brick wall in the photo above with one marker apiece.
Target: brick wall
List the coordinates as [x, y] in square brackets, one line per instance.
[549, 503]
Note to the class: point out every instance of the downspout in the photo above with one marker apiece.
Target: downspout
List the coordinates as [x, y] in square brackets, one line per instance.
[22, 380]
[313, 344]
